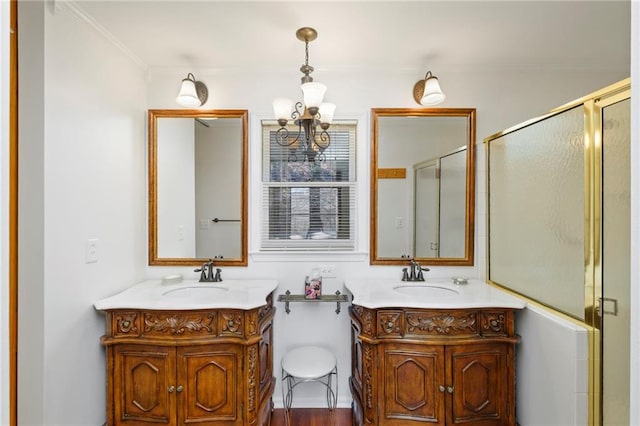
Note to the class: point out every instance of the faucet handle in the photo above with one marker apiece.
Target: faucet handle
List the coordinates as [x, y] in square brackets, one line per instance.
[405, 275]
[203, 272]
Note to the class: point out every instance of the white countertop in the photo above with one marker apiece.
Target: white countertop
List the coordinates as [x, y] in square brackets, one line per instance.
[431, 294]
[191, 294]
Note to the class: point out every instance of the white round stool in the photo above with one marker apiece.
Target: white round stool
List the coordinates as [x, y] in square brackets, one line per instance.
[309, 364]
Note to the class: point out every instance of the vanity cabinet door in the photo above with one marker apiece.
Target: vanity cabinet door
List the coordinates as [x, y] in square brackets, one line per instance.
[210, 377]
[413, 385]
[479, 383]
[144, 377]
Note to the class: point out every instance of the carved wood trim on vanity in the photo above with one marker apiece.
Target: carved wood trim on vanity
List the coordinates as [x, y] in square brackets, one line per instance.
[411, 366]
[169, 346]
[184, 324]
[424, 323]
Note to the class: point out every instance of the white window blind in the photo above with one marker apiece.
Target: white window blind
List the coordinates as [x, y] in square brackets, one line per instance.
[309, 205]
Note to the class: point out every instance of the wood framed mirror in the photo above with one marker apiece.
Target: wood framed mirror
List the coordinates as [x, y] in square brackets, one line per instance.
[423, 186]
[197, 187]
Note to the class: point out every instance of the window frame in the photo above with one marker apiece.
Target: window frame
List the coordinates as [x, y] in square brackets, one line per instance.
[267, 244]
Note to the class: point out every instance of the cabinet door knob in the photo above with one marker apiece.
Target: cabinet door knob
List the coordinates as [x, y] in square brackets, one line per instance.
[179, 389]
[441, 388]
[449, 389]
[171, 389]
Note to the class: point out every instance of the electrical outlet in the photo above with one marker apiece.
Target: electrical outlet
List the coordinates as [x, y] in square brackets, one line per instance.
[91, 250]
[328, 271]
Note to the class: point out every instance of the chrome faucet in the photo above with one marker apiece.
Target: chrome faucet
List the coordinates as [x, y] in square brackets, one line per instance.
[414, 272]
[207, 274]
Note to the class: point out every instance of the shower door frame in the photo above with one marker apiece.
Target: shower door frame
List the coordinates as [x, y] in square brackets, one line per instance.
[593, 105]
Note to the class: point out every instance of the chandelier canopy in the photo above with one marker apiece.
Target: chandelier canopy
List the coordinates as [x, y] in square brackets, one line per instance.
[312, 116]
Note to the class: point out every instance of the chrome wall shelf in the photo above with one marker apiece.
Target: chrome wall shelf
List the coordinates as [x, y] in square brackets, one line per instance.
[287, 297]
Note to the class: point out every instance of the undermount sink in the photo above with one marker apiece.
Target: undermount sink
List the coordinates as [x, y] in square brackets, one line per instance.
[426, 291]
[196, 291]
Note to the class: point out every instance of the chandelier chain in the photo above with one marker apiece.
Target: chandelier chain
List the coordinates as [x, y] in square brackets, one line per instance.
[306, 53]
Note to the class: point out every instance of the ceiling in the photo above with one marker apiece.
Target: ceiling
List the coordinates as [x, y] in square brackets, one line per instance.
[357, 35]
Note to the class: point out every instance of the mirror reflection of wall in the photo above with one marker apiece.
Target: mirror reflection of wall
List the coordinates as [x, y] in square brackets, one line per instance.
[421, 205]
[197, 191]
[176, 187]
[217, 195]
[198, 177]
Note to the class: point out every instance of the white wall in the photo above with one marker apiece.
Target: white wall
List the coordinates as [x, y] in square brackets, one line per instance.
[218, 174]
[82, 176]
[176, 195]
[4, 211]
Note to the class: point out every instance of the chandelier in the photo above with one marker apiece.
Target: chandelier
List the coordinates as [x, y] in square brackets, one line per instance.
[312, 116]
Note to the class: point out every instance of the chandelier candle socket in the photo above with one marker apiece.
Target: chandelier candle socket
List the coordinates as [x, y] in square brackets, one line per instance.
[309, 143]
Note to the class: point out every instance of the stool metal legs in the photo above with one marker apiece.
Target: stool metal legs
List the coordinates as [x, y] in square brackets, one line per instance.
[330, 381]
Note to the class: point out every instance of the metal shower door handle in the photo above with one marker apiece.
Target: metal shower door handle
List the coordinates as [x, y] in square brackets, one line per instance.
[602, 310]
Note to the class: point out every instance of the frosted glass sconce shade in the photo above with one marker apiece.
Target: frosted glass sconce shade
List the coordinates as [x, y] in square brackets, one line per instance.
[192, 93]
[427, 92]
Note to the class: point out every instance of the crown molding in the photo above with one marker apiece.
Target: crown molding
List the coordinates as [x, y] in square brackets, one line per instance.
[75, 10]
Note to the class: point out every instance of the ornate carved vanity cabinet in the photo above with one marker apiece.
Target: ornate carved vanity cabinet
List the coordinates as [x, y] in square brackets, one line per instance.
[208, 367]
[414, 366]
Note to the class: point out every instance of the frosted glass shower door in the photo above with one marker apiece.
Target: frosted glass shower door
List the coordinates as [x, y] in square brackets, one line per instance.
[614, 306]
[453, 197]
[427, 195]
[536, 211]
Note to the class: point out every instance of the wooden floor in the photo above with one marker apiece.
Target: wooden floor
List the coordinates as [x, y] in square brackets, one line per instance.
[313, 417]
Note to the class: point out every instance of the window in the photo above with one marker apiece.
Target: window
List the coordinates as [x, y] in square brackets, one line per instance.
[309, 205]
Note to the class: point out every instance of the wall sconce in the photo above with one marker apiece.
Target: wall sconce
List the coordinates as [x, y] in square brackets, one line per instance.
[427, 91]
[192, 93]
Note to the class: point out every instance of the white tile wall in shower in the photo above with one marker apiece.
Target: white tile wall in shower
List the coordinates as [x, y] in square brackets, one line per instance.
[552, 370]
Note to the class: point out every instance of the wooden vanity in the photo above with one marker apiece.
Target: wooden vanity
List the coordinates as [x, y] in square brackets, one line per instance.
[416, 366]
[175, 367]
